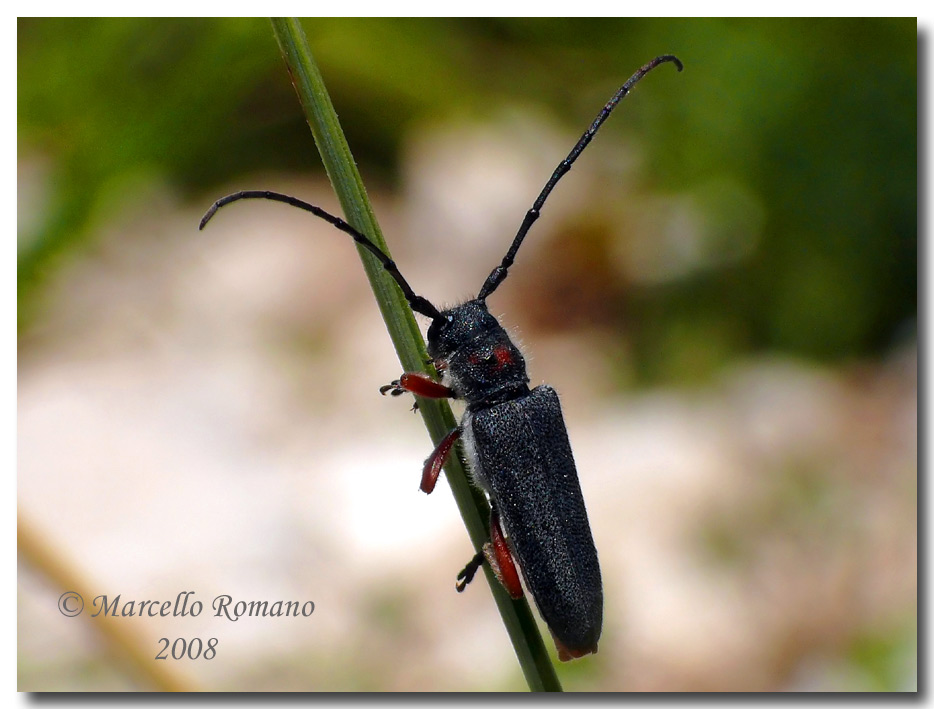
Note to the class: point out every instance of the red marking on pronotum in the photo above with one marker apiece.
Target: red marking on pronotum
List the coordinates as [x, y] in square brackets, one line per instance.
[503, 356]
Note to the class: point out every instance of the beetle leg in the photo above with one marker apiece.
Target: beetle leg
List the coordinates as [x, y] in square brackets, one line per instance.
[433, 463]
[466, 576]
[496, 553]
[500, 558]
[418, 384]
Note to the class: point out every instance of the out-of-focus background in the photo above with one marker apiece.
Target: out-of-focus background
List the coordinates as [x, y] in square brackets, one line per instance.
[723, 290]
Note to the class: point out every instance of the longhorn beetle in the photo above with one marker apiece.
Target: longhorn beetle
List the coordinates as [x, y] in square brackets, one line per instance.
[514, 437]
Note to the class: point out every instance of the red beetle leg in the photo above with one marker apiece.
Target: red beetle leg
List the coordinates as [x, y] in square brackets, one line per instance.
[417, 384]
[500, 559]
[433, 464]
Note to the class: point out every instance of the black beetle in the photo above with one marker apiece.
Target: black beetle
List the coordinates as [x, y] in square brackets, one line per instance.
[515, 438]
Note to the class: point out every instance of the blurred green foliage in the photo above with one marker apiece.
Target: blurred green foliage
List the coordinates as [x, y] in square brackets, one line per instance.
[813, 121]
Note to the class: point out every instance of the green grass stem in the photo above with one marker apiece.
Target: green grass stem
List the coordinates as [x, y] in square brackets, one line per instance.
[405, 334]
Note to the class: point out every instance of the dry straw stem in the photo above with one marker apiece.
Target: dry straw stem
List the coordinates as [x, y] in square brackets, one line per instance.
[127, 645]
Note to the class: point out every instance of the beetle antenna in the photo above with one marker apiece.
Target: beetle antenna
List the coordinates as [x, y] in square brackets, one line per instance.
[417, 302]
[498, 275]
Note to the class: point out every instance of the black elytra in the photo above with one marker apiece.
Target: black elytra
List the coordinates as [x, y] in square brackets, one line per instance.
[520, 454]
[515, 438]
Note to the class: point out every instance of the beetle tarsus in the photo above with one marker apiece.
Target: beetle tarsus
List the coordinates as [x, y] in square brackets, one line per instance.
[468, 572]
[392, 387]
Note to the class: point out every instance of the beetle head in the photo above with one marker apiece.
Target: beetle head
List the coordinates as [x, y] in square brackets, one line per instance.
[481, 363]
[459, 326]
